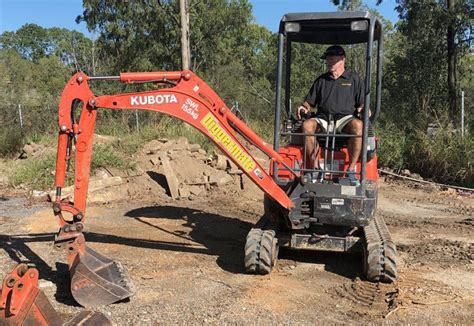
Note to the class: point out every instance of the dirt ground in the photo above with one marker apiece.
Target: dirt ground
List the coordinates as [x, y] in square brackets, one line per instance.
[185, 258]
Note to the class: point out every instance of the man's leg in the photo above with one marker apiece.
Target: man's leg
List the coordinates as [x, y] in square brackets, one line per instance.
[354, 145]
[309, 127]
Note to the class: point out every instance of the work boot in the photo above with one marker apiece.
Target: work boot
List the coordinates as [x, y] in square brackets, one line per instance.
[350, 179]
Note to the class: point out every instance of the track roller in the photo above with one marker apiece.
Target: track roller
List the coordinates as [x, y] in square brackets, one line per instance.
[261, 251]
[380, 253]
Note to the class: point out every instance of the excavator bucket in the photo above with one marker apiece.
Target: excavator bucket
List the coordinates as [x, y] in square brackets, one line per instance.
[97, 280]
[22, 303]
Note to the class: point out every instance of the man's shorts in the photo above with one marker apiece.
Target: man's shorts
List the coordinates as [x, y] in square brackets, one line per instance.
[340, 123]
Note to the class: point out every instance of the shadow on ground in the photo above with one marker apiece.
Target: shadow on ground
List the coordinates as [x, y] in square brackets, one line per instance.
[219, 236]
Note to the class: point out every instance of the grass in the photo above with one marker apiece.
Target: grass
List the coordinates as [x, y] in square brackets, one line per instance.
[35, 173]
[38, 173]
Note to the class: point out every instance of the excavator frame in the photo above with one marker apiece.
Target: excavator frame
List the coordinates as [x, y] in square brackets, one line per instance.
[97, 280]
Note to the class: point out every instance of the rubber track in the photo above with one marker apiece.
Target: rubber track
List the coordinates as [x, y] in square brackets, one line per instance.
[258, 251]
[381, 252]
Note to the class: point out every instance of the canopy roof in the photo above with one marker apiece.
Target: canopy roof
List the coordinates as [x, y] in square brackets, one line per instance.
[330, 27]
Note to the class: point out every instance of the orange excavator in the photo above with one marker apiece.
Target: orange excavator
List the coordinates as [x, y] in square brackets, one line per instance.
[300, 213]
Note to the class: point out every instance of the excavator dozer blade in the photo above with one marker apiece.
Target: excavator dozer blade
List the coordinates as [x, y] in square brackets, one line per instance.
[97, 280]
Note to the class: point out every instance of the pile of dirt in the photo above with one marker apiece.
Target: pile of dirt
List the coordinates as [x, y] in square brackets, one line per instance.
[171, 170]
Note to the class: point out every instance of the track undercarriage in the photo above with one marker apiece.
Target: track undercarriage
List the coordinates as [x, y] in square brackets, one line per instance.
[373, 242]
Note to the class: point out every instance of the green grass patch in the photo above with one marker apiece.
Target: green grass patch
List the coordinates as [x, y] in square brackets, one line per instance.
[38, 173]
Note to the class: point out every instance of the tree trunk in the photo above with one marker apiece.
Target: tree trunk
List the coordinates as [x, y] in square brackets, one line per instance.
[451, 61]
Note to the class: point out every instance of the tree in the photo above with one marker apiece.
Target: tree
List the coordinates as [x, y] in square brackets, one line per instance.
[34, 43]
[454, 17]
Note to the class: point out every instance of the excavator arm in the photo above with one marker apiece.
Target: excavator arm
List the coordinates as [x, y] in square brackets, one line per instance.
[186, 97]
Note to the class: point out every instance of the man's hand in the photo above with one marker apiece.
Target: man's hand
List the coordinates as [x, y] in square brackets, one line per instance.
[302, 110]
[361, 110]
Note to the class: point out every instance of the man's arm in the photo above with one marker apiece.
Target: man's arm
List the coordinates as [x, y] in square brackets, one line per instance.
[360, 92]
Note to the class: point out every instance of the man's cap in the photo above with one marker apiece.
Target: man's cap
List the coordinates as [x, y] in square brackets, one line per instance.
[333, 50]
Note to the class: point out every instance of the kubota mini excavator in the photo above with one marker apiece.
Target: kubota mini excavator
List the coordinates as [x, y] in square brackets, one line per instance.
[299, 213]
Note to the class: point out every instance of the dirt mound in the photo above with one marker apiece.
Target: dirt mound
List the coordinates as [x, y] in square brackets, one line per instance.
[171, 170]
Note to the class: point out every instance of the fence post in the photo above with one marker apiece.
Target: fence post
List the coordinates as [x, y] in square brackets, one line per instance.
[136, 120]
[21, 116]
[462, 114]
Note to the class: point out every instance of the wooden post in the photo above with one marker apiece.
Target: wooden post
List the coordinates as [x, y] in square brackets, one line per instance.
[21, 116]
[185, 51]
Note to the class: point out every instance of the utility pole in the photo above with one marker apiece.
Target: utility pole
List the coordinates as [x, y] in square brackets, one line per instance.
[185, 51]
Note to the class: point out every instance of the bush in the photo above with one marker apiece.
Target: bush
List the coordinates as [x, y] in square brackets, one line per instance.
[391, 146]
[11, 140]
[444, 158]
[35, 173]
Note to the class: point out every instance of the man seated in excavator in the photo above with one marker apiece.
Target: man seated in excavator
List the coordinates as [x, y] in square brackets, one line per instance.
[338, 95]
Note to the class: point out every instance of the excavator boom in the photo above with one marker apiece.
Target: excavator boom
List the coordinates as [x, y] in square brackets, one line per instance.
[180, 94]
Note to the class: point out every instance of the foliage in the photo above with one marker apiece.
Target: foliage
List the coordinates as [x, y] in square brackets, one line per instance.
[38, 172]
[237, 57]
[35, 173]
[11, 140]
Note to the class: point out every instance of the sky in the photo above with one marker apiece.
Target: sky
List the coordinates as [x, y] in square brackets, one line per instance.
[62, 13]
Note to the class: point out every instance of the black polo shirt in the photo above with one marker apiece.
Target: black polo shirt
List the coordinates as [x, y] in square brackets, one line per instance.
[338, 97]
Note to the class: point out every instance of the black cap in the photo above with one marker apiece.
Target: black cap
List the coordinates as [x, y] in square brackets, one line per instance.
[333, 50]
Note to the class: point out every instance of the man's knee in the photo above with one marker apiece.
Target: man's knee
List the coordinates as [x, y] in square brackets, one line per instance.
[354, 127]
[309, 126]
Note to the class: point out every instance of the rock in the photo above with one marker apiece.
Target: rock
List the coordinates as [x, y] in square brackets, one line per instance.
[194, 148]
[101, 173]
[184, 192]
[153, 147]
[176, 155]
[220, 179]
[170, 176]
[225, 180]
[182, 141]
[201, 151]
[195, 190]
[416, 176]
[405, 172]
[251, 190]
[155, 160]
[199, 156]
[221, 162]
[39, 193]
[233, 168]
[102, 139]
[29, 150]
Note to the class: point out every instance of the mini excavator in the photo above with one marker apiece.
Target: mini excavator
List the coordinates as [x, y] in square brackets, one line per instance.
[299, 214]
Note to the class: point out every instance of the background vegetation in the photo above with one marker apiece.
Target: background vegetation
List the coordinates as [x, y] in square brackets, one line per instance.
[237, 57]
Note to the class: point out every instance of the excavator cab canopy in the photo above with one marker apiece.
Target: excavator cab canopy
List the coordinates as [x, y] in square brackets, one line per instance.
[330, 28]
